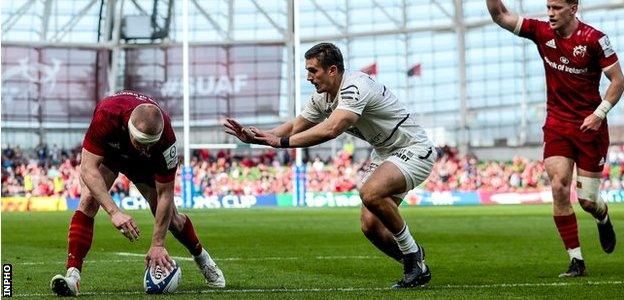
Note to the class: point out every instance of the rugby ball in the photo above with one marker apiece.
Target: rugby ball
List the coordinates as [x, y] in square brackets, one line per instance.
[157, 281]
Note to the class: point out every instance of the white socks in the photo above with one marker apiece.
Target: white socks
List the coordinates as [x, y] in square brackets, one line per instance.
[204, 259]
[73, 272]
[575, 253]
[406, 241]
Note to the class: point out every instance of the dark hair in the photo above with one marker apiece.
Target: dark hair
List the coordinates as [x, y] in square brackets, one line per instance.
[327, 54]
[572, 2]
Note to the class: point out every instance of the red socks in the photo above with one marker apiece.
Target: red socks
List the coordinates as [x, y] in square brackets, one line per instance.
[188, 237]
[79, 239]
[568, 230]
[81, 235]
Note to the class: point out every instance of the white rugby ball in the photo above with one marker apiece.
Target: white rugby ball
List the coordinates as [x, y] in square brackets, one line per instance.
[156, 281]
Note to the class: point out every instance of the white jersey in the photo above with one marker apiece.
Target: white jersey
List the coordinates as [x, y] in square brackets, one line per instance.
[384, 122]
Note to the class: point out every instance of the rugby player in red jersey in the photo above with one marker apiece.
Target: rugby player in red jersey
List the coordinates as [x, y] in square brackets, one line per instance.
[130, 134]
[576, 132]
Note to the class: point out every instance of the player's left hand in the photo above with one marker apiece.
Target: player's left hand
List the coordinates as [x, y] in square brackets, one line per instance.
[269, 139]
[238, 130]
[158, 256]
[592, 122]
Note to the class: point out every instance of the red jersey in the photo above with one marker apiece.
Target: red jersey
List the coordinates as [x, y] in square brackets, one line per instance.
[573, 69]
[108, 136]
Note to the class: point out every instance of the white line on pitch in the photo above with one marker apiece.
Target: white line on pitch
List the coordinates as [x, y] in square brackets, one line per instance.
[258, 258]
[352, 289]
[217, 259]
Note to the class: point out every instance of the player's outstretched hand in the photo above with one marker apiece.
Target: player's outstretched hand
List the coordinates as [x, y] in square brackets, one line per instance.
[269, 139]
[158, 256]
[236, 129]
[126, 225]
[592, 122]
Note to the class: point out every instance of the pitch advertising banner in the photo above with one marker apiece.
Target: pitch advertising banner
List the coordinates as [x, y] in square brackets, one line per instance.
[613, 196]
[329, 199]
[233, 80]
[421, 197]
[33, 203]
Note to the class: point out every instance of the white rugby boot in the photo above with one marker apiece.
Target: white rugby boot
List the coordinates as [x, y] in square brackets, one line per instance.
[213, 275]
[68, 285]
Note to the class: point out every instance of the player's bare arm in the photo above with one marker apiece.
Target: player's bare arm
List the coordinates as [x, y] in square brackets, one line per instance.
[299, 124]
[246, 134]
[611, 98]
[157, 255]
[327, 130]
[90, 174]
[501, 16]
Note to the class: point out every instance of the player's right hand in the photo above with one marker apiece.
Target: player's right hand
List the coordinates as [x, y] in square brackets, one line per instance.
[126, 225]
[236, 129]
[158, 256]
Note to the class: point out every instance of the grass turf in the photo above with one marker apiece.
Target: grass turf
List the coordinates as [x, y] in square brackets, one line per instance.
[473, 252]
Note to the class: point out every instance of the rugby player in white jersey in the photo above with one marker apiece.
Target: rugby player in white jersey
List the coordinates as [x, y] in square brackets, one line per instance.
[352, 102]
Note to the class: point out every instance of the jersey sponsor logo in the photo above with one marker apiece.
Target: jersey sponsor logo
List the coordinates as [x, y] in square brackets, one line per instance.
[579, 50]
[602, 161]
[564, 68]
[551, 44]
[171, 156]
[606, 46]
[564, 60]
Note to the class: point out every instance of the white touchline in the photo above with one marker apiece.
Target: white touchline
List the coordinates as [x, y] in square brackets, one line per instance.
[349, 289]
[180, 258]
[258, 258]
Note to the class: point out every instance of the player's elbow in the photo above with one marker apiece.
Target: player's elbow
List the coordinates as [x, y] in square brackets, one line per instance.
[333, 132]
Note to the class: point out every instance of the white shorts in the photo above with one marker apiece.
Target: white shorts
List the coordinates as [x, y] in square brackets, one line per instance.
[415, 162]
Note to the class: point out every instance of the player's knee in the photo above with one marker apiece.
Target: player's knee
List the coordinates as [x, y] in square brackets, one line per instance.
[369, 196]
[587, 188]
[560, 187]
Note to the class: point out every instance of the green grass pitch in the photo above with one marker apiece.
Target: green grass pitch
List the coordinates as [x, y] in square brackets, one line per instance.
[474, 252]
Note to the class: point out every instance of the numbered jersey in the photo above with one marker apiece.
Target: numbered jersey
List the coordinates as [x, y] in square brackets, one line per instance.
[108, 136]
[573, 68]
[383, 122]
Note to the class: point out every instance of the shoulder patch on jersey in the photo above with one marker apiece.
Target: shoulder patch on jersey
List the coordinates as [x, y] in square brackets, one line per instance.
[606, 46]
[171, 156]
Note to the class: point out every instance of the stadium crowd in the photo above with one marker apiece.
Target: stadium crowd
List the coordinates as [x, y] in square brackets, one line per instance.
[51, 171]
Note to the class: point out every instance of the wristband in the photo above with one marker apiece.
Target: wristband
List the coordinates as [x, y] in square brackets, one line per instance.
[602, 109]
[285, 142]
